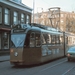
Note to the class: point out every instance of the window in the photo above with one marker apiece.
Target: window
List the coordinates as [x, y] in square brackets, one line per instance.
[61, 39]
[53, 39]
[66, 40]
[15, 19]
[43, 38]
[22, 18]
[57, 39]
[38, 40]
[0, 14]
[62, 15]
[27, 19]
[62, 21]
[48, 38]
[69, 40]
[5, 40]
[32, 39]
[17, 40]
[7, 16]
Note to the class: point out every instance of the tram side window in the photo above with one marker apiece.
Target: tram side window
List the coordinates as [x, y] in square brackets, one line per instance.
[57, 39]
[61, 39]
[73, 40]
[48, 38]
[66, 40]
[32, 39]
[43, 38]
[37, 39]
[69, 40]
[53, 39]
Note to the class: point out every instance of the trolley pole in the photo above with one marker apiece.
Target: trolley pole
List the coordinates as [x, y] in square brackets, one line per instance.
[54, 16]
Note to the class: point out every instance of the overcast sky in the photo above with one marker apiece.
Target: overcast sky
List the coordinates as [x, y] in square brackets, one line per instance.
[65, 5]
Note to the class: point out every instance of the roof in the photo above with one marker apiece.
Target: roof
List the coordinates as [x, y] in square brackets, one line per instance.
[20, 6]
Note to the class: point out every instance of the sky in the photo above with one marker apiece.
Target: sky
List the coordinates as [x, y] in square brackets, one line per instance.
[65, 5]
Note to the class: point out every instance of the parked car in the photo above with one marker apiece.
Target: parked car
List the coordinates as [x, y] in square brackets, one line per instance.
[71, 53]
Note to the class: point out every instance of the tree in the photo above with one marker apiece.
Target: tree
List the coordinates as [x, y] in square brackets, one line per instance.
[70, 24]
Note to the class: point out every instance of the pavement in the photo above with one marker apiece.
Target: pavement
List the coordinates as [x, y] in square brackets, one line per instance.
[4, 58]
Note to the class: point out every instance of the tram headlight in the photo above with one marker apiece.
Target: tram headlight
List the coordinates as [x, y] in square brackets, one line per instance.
[16, 54]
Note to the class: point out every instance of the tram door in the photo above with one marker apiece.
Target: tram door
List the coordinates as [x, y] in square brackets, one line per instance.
[33, 39]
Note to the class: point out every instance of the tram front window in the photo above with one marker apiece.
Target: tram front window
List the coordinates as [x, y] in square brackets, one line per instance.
[17, 40]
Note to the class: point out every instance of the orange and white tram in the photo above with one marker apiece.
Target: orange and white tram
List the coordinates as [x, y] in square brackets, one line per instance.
[37, 44]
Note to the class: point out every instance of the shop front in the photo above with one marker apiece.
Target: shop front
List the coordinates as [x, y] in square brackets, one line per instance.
[4, 41]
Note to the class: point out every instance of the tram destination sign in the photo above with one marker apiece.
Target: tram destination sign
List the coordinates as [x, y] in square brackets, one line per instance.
[18, 30]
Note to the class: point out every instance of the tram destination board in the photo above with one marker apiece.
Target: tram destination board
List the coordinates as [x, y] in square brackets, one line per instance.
[18, 30]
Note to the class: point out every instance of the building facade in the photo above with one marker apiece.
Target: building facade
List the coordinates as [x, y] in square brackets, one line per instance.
[12, 12]
[66, 20]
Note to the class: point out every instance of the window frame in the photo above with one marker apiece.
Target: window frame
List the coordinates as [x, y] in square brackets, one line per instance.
[43, 39]
[15, 17]
[53, 39]
[7, 15]
[32, 39]
[1, 15]
[5, 42]
[57, 39]
[22, 18]
[27, 19]
[38, 40]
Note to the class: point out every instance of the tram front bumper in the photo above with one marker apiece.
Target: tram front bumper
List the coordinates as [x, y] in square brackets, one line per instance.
[19, 62]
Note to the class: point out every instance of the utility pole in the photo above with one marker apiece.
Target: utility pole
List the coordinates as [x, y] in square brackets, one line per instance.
[33, 9]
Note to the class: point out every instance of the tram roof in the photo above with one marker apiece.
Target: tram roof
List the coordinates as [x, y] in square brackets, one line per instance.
[69, 34]
[45, 28]
[40, 28]
[53, 31]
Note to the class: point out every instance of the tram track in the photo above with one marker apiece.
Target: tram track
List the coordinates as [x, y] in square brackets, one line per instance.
[56, 67]
[52, 66]
[65, 73]
[68, 69]
[41, 68]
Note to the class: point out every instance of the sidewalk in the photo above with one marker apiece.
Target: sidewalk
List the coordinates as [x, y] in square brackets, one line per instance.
[4, 58]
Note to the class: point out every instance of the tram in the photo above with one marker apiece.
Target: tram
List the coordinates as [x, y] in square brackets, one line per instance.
[35, 44]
